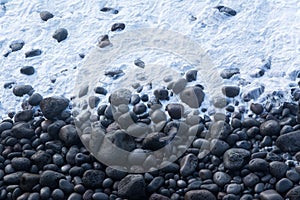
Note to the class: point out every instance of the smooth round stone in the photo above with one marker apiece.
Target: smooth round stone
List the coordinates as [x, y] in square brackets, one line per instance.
[144, 97]
[46, 15]
[294, 193]
[75, 196]
[179, 85]
[139, 108]
[27, 70]
[259, 187]
[66, 186]
[221, 178]
[158, 116]
[34, 196]
[100, 90]
[155, 184]
[293, 175]
[234, 188]
[270, 128]
[120, 96]
[270, 194]
[278, 169]
[114, 173]
[175, 110]
[181, 183]
[218, 147]
[60, 34]
[231, 91]
[68, 134]
[161, 94]
[205, 174]
[21, 163]
[58, 194]
[256, 108]
[283, 185]
[135, 99]
[45, 193]
[258, 165]
[100, 196]
[33, 53]
[21, 90]
[250, 180]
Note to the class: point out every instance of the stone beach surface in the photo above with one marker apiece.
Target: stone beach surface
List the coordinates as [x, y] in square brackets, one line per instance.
[44, 152]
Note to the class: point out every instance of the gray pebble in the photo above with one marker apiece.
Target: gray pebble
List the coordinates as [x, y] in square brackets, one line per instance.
[27, 70]
[60, 34]
[33, 53]
[21, 90]
[45, 15]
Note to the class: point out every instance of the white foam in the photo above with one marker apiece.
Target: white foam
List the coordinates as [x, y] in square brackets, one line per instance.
[259, 30]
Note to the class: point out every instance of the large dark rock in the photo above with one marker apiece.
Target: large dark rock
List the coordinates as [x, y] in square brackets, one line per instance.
[93, 178]
[132, 187]
[188, 165]
[22, 130]
[235, 158]
[294, 193]
[25, 116]
[231, 91]
[50, 179]
[28, 181]
[53, 106]
[270, 128]
[289, 142]
[20, 90]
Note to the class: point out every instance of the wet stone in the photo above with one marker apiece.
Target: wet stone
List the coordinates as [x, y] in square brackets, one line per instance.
[16, 45]
[118, 27]
[250, 180]
[228, 73]
[93, 178]
[191, 75]
[284, 185]
[114, 173]
[33, 53]
[60, 34]
[52, 107]
[161, 94]
[278, 169]
[199, 194]
[175, 110]
[270, 128]
[58, 194]
[46, 15]
[35, 99]
[21, 163]
[135, 99]
[129, 185]
[221, 178]
[100, 90]
[258, 164]
[120, 96]
[139, 63]
[27, 70]
[231, 91]
[294, 193]
[228, 11]
[289, 142]
[179, 85]
[188, 164]
[235, 158]
[68, 134]
[270, 195]
[25, 116]
[20, 90]
[139, 108]
[256, 108]
[192, 96]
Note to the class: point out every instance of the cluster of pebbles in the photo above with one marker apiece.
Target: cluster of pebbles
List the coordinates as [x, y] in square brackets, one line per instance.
[254, 156]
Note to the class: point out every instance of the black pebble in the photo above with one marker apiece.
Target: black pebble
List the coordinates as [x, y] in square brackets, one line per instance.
[32, 53]
[231, 91]
[27, 70]
[191, 75]
[118, 27]
[226, 10]
[161, 94]
[21, 90]
[60, 34]
[139, 63]
[45, 15]
[139, 108]
[256, 108]
[100, 90]
[35, 99]
[16, 45]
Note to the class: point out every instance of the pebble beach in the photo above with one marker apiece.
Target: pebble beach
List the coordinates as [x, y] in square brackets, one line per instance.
[91, 110]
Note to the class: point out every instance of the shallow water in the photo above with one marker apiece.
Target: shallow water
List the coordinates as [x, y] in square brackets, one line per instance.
[260, 30]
